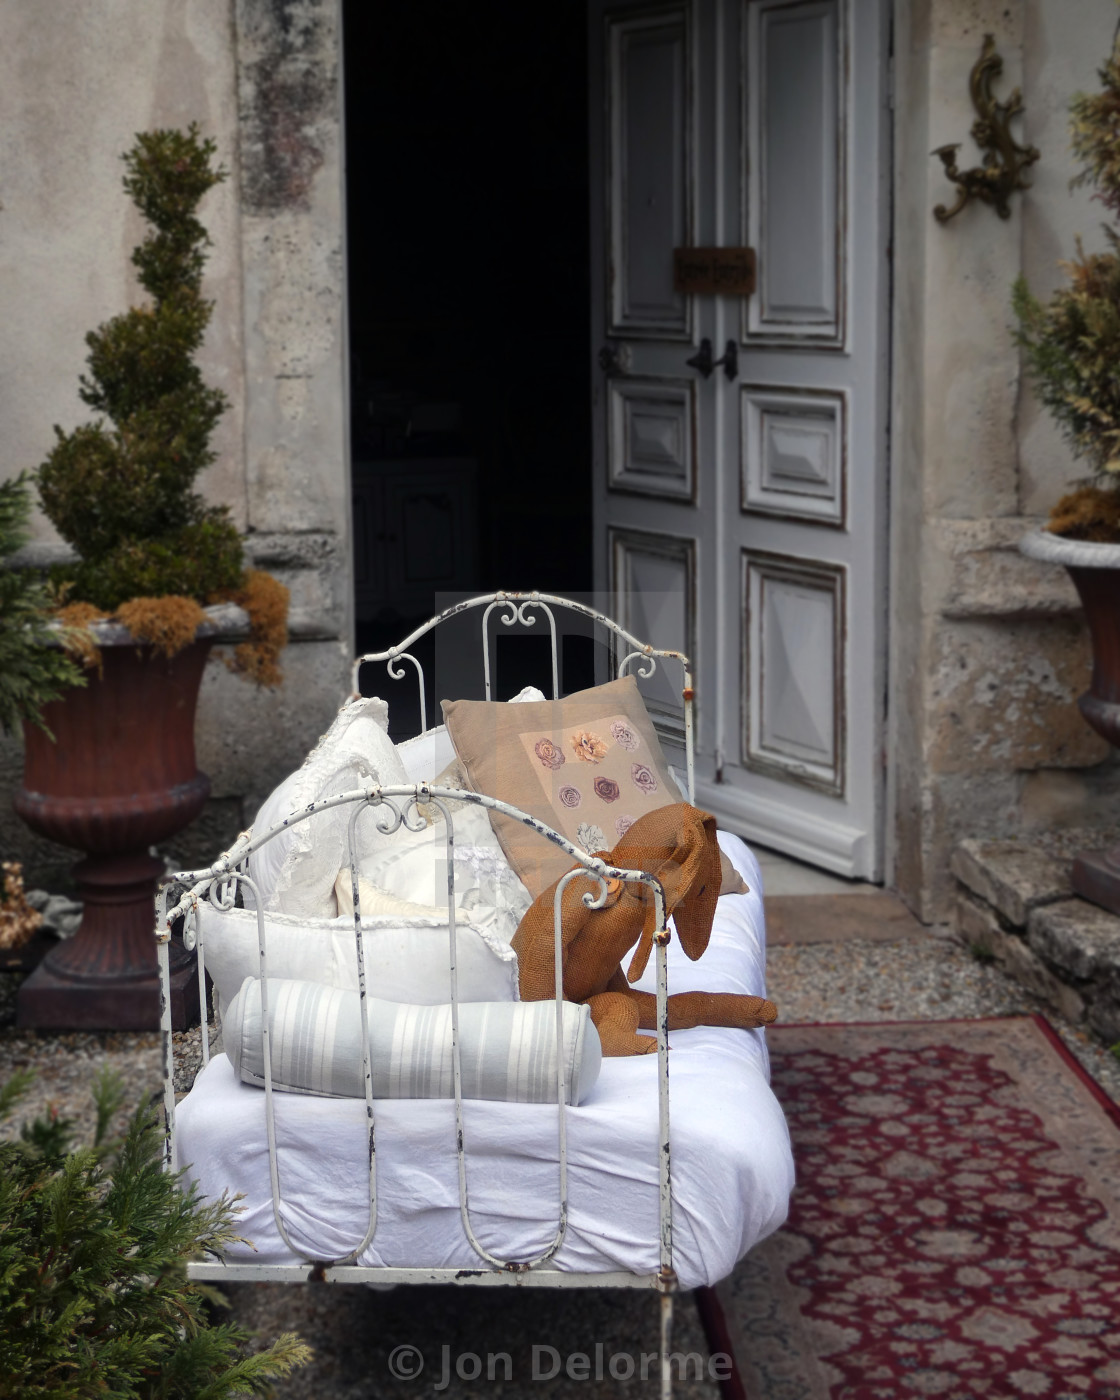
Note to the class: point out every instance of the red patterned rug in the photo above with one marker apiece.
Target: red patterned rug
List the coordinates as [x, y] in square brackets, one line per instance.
[955, 1231]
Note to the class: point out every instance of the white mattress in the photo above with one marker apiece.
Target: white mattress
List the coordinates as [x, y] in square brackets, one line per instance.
[732, 1170]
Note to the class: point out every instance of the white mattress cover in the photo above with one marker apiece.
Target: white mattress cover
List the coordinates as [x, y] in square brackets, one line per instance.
[732, 1170]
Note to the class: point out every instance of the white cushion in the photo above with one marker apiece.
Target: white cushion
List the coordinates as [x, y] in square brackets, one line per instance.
[294, 947]
[406, 959]
[296, 870]
[413, 866]
[410, 960]
[430, 753]
[426, 755]
[375, 901]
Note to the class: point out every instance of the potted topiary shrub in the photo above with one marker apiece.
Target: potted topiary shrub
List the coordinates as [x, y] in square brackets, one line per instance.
[158, 576]
[1071, 348]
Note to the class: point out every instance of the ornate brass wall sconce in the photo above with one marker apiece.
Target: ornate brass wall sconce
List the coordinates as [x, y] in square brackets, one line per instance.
[1004, 158]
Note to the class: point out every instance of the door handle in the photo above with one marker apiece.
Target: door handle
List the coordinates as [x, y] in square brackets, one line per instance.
[703, 361]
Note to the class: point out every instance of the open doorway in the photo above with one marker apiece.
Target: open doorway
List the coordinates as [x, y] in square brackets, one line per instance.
[468, 286]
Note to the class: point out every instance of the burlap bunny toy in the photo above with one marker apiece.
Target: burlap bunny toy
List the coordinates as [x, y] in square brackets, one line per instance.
[678, 845]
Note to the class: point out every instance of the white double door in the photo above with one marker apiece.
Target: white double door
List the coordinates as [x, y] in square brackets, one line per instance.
[743, 512]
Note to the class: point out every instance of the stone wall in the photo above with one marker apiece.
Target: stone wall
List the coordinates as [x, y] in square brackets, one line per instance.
[988, 650]
[263, 77]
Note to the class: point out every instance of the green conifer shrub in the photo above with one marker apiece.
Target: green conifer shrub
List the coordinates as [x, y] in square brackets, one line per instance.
[94, 1297]
[120, 489]
[33, 671]
[1071, 343]
[121, 493]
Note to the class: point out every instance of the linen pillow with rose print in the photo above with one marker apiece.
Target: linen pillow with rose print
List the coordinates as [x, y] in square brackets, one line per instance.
[589, 765]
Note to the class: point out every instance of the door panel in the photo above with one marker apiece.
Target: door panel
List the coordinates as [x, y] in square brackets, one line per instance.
[653, 580]
[793, 689]
[651, 418]
[811, 512]
[652, 446]
[793, 453]
[796, 105]
[650, 169]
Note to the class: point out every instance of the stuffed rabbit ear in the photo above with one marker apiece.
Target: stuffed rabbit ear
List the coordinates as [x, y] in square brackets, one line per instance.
[698, 883]
[642, 951]
[678, 844]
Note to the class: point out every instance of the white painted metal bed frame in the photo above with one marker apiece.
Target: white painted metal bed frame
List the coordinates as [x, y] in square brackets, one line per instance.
[180, 895]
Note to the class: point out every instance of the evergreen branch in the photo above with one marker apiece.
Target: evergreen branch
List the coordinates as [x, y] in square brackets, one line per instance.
[108, 1096]
[33, 669]
[94, 1296]
[13, 1089]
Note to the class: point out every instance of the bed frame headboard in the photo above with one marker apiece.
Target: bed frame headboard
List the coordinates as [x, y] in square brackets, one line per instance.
[524, 609]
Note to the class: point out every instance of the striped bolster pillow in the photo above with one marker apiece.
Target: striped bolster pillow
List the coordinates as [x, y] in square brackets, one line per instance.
[507, 1049]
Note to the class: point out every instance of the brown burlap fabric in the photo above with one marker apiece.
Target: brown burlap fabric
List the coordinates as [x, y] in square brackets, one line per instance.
[678, 845]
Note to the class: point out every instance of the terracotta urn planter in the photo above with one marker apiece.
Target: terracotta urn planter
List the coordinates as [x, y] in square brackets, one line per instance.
[119, 777]
[1095, 571]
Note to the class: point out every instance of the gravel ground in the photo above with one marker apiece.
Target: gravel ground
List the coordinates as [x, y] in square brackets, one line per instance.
[927, 978]
[360, 1336]
[357, 1333]
[65, 1065]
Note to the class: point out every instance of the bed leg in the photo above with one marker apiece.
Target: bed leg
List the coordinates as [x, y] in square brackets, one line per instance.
[718, 1336]
[666, 1345]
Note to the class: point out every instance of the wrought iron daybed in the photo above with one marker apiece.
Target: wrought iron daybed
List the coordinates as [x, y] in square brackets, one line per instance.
[396, 806]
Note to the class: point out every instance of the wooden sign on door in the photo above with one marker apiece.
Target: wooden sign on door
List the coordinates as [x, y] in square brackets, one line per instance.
[727, 272]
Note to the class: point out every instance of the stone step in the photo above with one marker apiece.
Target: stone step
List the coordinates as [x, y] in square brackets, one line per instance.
[1014, 903]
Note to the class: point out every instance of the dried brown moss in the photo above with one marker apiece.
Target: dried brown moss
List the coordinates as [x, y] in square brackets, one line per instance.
[18, 921]
[169, 623]
[265, 599]
[79, 614]
[1089, 513]
[76, 637]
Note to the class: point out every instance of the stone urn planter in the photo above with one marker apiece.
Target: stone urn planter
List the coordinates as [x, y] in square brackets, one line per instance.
[1095, 571]
[120, 777]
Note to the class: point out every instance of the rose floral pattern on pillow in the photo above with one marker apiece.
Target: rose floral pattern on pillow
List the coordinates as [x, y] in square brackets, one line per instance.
[594, 777]
[588, 747]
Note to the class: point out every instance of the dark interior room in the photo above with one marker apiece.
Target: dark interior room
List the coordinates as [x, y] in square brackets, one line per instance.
[467, 190]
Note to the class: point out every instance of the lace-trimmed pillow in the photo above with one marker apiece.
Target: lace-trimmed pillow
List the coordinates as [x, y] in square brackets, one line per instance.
[406, 956]
[296, 870]
[412, 865]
